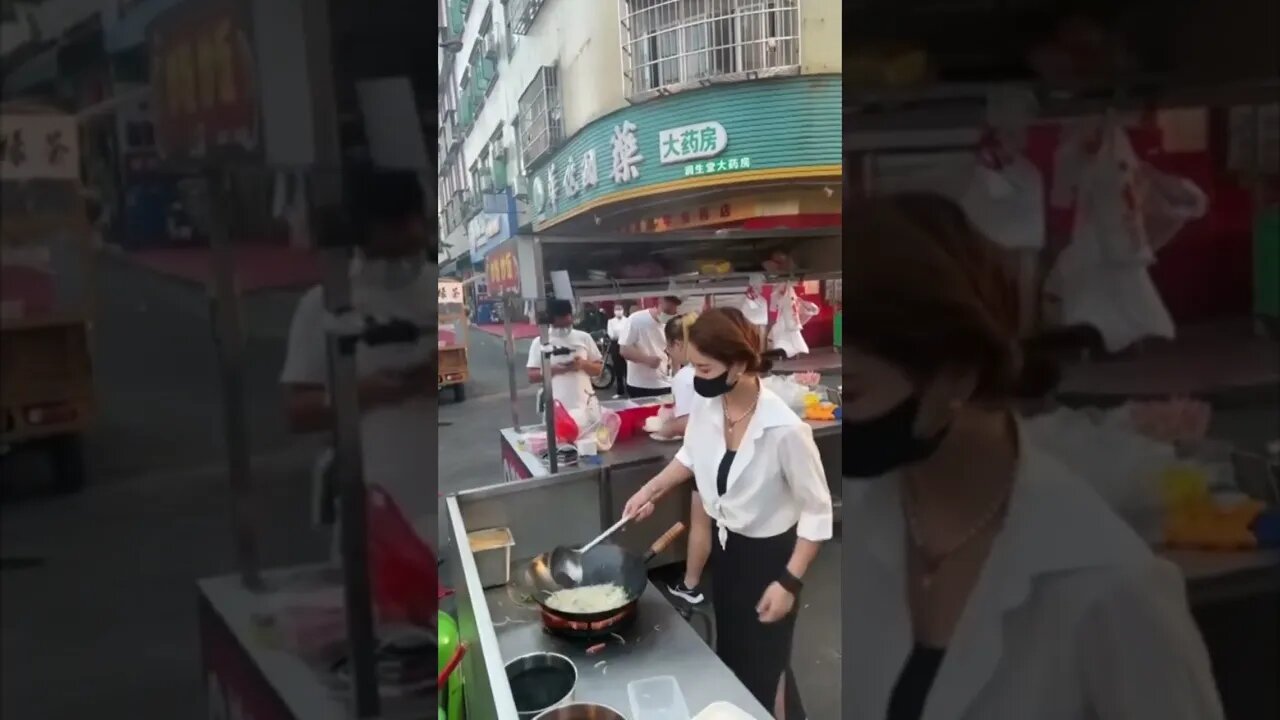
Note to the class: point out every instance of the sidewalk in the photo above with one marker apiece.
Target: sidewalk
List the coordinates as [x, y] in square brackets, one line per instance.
[519, 331]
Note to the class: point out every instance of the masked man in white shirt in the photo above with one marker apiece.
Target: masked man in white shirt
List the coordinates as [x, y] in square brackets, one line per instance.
[388, 281]
[644, 345]
[617, 324]
[574, 361]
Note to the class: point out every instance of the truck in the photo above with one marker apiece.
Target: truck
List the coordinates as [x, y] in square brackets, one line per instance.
[46, 246]
[452, 343]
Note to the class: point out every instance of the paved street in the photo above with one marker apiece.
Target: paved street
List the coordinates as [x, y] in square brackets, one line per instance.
[106, 628]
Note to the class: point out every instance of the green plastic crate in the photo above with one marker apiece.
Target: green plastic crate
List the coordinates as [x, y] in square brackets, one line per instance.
[1266, 264]
[838, 329]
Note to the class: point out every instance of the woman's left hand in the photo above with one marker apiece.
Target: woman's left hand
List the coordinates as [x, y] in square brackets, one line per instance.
[776, 603]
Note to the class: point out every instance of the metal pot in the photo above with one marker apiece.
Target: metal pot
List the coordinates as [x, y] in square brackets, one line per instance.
[582, 711]
[541, 681]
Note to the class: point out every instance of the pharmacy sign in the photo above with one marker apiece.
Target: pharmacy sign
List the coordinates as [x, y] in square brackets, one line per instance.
[769, 130]
[692, 142]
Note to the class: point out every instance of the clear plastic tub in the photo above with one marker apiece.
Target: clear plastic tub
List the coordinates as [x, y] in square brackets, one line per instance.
[657, 698]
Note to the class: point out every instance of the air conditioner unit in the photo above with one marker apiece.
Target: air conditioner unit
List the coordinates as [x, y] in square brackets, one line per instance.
[520, 187]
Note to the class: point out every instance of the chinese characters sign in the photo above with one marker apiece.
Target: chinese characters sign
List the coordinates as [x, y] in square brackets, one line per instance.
[570, 176]
[692, 142]
[695, 216]
[39, 146]
[203, 78]
[449, 292]
[502, 273]
[712, 167]
[720, 135]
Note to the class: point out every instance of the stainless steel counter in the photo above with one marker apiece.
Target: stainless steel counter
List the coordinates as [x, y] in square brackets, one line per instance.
[643, 447]
[660, 643]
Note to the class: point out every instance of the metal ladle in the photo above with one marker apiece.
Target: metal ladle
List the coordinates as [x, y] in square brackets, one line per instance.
[566, 563]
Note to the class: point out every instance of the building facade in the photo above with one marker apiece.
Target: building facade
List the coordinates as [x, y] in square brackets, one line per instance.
[636, 115]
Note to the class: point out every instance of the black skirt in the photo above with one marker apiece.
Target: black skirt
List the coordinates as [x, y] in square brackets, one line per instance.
[756, 652]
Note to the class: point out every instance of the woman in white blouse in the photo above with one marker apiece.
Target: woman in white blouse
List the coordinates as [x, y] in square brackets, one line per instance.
[761, 481]
[984, 581]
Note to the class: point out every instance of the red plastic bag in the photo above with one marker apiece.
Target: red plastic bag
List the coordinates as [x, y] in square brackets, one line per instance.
[402, 567]
[566, 427]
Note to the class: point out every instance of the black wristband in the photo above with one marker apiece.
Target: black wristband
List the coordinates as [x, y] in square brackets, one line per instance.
[790, 583]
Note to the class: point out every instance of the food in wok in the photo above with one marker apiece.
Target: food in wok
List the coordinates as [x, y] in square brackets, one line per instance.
[586, 599]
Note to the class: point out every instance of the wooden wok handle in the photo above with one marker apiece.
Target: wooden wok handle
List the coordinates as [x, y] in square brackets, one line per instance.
[667, 538]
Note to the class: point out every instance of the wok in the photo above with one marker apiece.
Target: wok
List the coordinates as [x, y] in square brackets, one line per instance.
[603, 564]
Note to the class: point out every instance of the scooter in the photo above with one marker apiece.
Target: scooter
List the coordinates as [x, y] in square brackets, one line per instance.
[604, 344]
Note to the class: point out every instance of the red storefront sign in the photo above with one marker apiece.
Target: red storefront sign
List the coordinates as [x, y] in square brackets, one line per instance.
[203, 80]
[502, 272]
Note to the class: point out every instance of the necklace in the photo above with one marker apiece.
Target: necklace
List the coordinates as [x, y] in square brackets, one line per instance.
[932, 560]
[730, 422]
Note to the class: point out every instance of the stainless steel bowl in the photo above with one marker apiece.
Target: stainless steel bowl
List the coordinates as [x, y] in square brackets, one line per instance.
[582, 711]
[541, 681]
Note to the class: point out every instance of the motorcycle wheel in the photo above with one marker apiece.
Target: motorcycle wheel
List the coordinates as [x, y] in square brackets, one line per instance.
[605, 379]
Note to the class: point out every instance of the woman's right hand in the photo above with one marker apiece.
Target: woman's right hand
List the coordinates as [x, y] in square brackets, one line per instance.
[640, 506]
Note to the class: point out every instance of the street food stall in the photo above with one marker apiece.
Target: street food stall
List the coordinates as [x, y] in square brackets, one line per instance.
[608, 661]
[527, 269]
[544, 500]
[452, 314]
[46, 258]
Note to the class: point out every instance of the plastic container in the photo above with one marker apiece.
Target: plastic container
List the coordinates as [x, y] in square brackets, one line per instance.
[492, 551]
[723, 711]
[657, 698]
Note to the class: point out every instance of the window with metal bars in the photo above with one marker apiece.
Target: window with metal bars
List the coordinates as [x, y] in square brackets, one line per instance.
[541, 117]
[671, 45]
[522, 13]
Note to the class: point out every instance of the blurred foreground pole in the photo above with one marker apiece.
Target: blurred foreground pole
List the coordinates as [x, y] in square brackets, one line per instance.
[331, 221]
[212, 198]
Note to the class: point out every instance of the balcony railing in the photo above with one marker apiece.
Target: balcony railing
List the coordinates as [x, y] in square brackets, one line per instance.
[673, 45]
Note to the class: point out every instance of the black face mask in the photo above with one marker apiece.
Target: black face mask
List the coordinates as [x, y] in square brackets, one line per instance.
[878, 445]
[712, 387]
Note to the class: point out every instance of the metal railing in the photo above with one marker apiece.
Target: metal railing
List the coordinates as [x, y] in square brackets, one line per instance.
[672, 45]
[541, 120]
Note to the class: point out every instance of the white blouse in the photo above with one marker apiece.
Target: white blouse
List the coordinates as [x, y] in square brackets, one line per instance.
[1073, 617]
[776, 480]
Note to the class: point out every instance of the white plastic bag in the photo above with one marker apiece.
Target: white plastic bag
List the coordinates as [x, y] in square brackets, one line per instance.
[791, 392]
[1121, 464]
[785, 334]
[1007, 204]
[1101, 277]
[1169, 203]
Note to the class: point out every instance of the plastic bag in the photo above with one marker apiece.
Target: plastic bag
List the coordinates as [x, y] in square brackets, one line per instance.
[1170, 203]
[566, 426]
[607, 430]
[1007, 204]
[791, 392]
[402, 568]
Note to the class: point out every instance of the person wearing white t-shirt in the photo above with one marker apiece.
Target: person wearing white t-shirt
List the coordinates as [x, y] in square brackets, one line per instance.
[575, 359]
[644, 345]
[388, 281]
[699, 550]
[616, 325]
